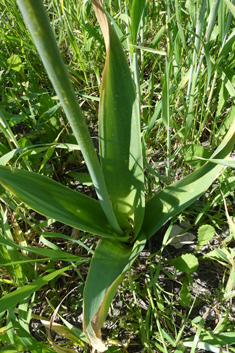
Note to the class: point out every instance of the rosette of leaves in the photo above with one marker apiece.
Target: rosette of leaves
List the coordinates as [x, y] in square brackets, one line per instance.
[120, 216]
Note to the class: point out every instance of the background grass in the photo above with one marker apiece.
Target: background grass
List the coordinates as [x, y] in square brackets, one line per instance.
[186, 63]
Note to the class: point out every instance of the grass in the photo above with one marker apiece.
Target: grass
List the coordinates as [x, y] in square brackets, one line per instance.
[186, 103]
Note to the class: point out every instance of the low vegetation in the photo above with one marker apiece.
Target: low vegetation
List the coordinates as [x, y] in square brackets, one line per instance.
[116, 175]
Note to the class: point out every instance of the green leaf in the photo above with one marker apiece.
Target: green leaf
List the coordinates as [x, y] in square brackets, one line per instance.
[19, 347]
[150, 50]
[137, 12]
[36, 149]
[63, 331]
[220, 339]
[165, 99]
[69, 238]
[108, 268]
[9, 253]
[207, 342]
[180, 349]
[83, 178]
[186, 263]
[230, 162]
[29, 342]
[221, 255]
[59, 202]
[119, 130]
[10, 300]
[192, 154]
[176, 197]
[15, 62]
[185, 295]
[38, 23]
[205, 234]
[230, 6]
[52, 254]
[12, 348]
[77, 332]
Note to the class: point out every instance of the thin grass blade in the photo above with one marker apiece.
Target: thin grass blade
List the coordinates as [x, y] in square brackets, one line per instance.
[12, 299]
[173, 199]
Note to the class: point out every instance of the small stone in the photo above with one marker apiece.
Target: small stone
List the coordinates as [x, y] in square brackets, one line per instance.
[180, 240]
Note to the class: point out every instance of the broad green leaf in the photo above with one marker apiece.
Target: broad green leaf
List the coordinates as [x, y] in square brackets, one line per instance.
[137, 12]
[205, 234]
[119, 130]
[176, 197]
[180, 348]
[108, 268]
[192, 154]
[38, 24]
[118, 30]
[15, 63]
[10, 300]
[186, 263]
[230, 6]
[83, 178]
[59, 202]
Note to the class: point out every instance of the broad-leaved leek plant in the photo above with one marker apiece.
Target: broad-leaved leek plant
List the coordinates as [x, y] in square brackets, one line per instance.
[121, 217]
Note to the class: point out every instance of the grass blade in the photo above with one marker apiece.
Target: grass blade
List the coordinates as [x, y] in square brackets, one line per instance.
[171, 200]
[12, 299]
